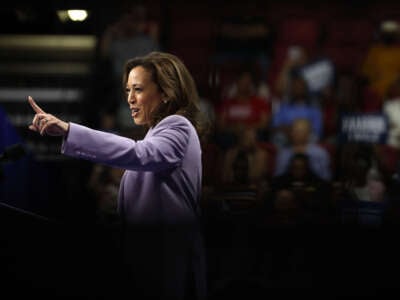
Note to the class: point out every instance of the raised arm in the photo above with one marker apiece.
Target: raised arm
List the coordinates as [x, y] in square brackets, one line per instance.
[164, 148]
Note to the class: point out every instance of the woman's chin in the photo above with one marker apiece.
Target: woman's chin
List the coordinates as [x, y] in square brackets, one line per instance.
[137, 121]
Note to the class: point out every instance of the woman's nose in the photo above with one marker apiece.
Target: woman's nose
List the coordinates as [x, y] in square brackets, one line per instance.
[131, 98]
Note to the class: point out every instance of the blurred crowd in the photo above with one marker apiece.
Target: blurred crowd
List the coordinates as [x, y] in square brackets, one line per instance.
[287, 145]
[275, 150]
[302, 102]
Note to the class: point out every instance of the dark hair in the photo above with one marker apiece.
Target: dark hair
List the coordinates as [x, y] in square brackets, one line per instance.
[300, 157]
[247, 70]
[175, 83]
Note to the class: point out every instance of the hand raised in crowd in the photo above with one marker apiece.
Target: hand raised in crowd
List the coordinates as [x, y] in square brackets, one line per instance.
[45, 123]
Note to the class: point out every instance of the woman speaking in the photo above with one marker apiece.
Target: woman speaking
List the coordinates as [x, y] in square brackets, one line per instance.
[160, 190]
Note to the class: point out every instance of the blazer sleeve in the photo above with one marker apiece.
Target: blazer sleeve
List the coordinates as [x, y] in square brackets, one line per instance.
[163, 149]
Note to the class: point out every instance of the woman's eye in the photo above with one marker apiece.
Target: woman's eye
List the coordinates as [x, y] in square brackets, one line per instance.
[138, 89]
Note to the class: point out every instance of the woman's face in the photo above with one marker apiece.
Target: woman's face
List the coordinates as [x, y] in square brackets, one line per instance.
[143, 95]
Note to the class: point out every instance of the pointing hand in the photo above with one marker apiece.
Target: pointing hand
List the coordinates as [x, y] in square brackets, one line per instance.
[45, 123]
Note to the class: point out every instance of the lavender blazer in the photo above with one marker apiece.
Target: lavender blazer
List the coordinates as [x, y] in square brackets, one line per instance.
[160, 189]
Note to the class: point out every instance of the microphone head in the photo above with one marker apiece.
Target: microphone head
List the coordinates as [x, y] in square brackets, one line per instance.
[13, 153]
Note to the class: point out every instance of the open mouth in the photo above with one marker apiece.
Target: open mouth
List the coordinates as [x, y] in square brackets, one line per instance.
[135, 111]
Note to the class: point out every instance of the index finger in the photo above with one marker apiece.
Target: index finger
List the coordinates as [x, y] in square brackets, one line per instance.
[35, 107]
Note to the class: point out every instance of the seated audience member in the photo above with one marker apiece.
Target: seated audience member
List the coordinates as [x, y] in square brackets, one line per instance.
[309, 190]
[244, 174]
[363, 187]
[287, 211]
[300, 142]
[243, 110]
[298, 106]
[132, 34]
[391, 108]
[256, 156]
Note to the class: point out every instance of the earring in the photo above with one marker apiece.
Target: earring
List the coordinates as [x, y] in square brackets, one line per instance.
[165, 101]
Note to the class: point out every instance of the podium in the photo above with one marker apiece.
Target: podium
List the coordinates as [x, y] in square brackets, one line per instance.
[48, 258]
[28, 260]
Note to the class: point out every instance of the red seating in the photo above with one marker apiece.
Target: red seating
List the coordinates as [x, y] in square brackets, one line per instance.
[278, 10]
[350, 32]
[346, 58]
[192, 56]
[303, 31]
[199, 30]
[280, 52]
[188, 9]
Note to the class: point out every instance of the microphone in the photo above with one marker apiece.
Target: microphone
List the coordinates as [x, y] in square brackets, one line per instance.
[12, 153]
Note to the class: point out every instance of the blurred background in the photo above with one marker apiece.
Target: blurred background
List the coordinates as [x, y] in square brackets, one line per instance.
[301, 183]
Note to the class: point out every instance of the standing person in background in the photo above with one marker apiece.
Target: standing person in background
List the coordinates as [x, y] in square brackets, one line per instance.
[382, 64]
[296, 57]
[131, 35]
[160, 189]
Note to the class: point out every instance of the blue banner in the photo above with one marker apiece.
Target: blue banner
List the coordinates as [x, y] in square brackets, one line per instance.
[365, 128]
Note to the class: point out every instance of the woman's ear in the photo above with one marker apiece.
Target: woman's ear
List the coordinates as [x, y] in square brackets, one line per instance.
[164, 98]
